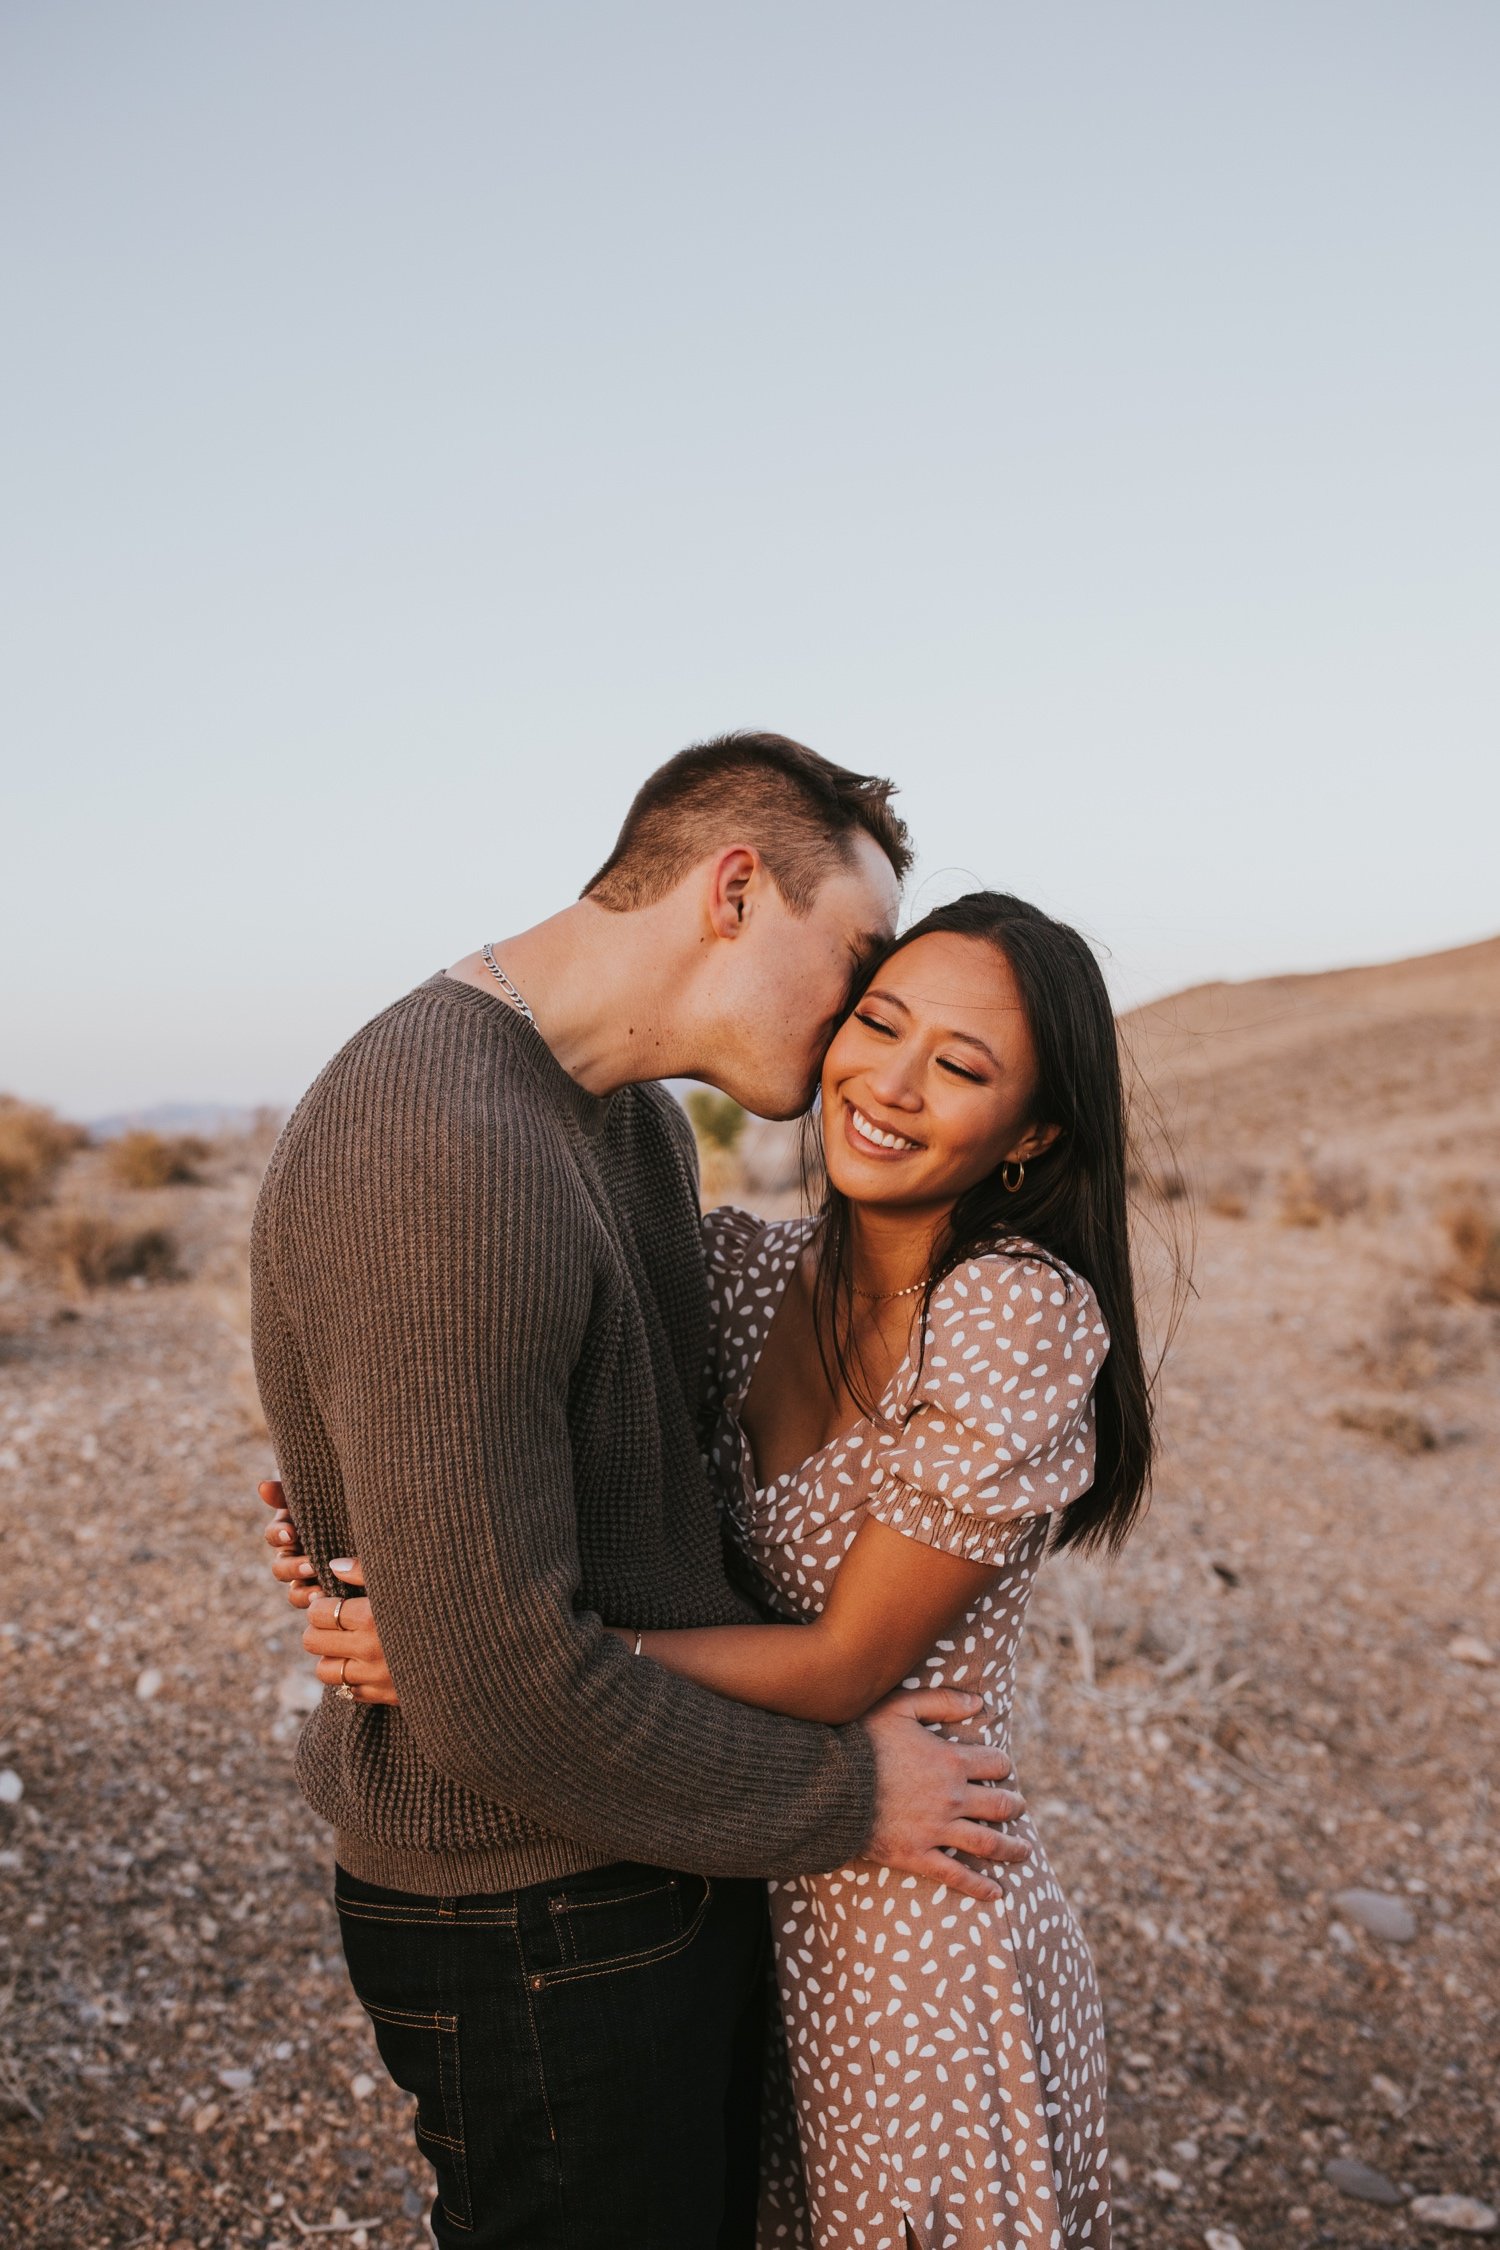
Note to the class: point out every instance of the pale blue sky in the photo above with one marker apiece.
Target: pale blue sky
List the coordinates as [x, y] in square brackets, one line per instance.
[418, 420]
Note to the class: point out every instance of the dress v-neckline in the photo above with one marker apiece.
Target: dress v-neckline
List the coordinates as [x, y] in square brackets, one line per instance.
[789, 1257]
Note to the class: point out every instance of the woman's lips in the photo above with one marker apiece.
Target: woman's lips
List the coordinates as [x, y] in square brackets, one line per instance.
[858, 1127]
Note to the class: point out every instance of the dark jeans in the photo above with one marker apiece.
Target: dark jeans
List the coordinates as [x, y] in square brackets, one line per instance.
[586, 2054]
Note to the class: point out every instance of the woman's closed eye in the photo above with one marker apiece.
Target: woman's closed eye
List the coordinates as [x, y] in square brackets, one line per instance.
[889, 1031]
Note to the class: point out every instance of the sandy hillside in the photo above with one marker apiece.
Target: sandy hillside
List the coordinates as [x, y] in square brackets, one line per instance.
[1283, 1693]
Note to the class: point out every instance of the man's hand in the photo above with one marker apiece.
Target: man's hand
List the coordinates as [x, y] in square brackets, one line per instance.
[930, 1795]
[340, 1629]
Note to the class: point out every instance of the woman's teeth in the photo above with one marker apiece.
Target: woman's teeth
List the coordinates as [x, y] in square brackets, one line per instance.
[872, 1132]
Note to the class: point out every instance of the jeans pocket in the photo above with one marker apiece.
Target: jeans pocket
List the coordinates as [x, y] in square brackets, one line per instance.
[604, 1927]
[420, 2050]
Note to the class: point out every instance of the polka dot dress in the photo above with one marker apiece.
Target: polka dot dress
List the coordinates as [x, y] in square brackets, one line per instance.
[944, 2056]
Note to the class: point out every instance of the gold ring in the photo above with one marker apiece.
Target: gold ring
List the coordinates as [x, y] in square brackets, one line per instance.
[338, 1611]
[343, 1671]
[345, 1693]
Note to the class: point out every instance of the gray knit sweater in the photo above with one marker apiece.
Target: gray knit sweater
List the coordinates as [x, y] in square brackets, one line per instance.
[480, 1325]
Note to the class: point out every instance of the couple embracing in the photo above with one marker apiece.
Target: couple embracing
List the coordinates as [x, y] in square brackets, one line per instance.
[666, 1747]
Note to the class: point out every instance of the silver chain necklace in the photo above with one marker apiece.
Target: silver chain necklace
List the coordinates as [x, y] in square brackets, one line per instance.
[516, 999]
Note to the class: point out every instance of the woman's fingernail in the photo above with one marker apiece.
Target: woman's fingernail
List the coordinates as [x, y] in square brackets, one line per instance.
[341, 1564]
[306, 1570]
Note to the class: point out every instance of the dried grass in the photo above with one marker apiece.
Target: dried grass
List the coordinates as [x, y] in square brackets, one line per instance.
[86, 1249]
[1313, 1194]
[1474, 1236]
[155, 1160]
[34, 1146]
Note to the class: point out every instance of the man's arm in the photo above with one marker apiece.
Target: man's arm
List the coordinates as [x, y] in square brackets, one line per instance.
[439, 1355]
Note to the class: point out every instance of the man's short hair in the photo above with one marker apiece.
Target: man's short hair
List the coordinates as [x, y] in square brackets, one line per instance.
[800, 811]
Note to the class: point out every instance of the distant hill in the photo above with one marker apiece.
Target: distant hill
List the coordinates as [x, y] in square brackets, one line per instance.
[208, 1118]
[1398, 1064]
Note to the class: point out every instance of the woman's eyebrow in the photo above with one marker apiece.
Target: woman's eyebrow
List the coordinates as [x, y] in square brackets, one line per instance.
[894, 1000]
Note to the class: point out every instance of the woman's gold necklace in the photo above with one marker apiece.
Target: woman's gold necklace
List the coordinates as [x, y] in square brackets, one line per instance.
[884, 1296]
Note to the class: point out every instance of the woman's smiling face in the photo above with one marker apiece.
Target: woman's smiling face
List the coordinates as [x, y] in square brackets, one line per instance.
[928, 1084]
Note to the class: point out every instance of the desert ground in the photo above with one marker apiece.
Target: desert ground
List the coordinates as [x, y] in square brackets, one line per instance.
[1261, 1744]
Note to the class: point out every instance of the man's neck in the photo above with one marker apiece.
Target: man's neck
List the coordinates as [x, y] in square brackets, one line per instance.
[596, 985]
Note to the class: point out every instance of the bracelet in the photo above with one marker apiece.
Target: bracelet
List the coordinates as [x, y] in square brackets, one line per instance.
[640, 1636]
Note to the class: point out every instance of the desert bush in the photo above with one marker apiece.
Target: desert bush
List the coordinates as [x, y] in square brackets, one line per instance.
[154, 1160]
[1401, 1426]
[717, 1119]
[1310, 1194]
[1230, 1187]
[34, 1146]
[86, 1249]
[1422, 1340]
[1474, 1236]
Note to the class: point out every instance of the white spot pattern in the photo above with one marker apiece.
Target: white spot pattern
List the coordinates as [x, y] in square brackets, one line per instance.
[945, 2056]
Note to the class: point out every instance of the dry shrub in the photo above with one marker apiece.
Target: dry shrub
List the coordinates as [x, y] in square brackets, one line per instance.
[1421, 1340]
[1230, 1189]
[34, 1146]
[1474, 1234]
[717, 1119]
[89, 1250]
[1311, 1194]
[1401, 1426]
[155, 1160]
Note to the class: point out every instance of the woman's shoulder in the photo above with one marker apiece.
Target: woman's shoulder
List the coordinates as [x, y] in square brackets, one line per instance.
[736, 1241]
[1015, 1282]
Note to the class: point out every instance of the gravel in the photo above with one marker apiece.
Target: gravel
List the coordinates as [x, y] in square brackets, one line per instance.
[1249, 1716]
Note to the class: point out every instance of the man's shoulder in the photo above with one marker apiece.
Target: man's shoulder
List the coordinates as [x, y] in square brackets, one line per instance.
[439, 1077]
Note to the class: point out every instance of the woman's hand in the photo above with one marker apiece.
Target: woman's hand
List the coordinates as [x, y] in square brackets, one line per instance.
[341, 1630]
[289, 1565]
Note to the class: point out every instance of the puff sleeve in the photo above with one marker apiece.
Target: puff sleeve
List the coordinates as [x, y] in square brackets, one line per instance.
[997, 1423]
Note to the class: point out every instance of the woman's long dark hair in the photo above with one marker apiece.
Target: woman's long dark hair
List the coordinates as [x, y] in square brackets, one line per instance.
[1072, 1202]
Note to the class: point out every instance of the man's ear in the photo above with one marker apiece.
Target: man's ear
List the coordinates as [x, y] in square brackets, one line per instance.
[736, 873]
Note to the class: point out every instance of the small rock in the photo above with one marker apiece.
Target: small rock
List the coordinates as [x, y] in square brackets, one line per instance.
[148, 1685]
[1362, 2181]
[1460, 2212]
[238, 2081]
[1220, 2238]
[1189, 2151]
[205, 2119]
[1380, 1912]
[1119, 2167]
[1468, 1648]
[1167, 2181]
[12, 1787]
[414, 2203]
[1386, 2090]
[283, 2050]
[362, 2086]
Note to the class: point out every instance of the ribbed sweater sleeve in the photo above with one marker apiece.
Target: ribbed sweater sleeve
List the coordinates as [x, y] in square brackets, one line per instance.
[438, 1261]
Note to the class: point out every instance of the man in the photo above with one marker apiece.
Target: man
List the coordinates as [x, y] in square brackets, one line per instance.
[480, 1321]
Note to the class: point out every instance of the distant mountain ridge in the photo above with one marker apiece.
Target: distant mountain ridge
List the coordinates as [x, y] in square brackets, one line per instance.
[208, 1118]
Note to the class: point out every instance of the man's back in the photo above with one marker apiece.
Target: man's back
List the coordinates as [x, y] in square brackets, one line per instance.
[479, 1325]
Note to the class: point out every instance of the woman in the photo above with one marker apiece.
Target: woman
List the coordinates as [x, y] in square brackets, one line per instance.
[915, 1393]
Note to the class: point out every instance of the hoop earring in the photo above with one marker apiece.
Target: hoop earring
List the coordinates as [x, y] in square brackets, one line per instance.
[1010, 1185]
